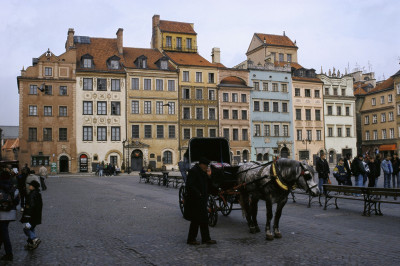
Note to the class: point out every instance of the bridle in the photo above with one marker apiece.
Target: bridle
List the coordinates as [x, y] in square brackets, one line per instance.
[305, 173]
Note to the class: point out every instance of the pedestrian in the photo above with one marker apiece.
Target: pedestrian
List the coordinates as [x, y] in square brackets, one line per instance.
[340, 173]
[373, 171]
[101, 169]
[378, 166]
[97, 169]
[323, 171]
[32, 215]
[387, 168]
[358, 170]
[366, 167]
[396, 170]
[8, 211]
[43, 175]
[347, 165]
[21, 184]
[195, 209]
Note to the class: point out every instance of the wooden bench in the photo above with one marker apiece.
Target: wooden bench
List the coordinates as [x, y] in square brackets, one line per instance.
[377, 196]
[344, 192]
[145, 177]
[311, 199]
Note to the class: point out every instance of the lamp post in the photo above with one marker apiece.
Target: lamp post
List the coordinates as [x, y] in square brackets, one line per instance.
[123, 155]
[129, 168]
[305, 141]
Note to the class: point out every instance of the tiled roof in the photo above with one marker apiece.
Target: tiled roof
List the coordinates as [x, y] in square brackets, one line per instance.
[177, 27]
[10, 144]
[307, 79]
[384, 85]
[153, 55]
[397, 74]
[294, 65]
[189, 59]
[278, 40]
[233, 81]
[359, 91]
[101, 49]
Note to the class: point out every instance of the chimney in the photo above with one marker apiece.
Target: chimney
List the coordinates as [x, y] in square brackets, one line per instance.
[120, 40]
[154, 37]
[216, 55]
[284, 33]
[70, 39]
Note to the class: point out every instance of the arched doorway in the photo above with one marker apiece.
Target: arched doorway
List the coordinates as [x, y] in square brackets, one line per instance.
[64, 168]
[285, 152]
[83, 163]
[136, 160]
[245, 155]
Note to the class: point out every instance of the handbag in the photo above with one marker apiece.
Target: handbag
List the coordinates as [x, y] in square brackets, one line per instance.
[329, 181]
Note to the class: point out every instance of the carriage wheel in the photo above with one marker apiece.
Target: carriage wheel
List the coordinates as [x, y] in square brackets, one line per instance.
[212, 211]
[182, 193]
[226, 208]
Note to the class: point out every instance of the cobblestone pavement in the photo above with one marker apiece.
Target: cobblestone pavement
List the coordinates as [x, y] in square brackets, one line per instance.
[118, 221]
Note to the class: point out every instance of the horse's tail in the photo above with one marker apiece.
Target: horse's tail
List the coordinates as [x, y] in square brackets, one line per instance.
[242, 203]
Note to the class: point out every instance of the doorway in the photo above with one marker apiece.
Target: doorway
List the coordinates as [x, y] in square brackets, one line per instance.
[83, 163]
[64, 164]
[284, 152]
[136, 160]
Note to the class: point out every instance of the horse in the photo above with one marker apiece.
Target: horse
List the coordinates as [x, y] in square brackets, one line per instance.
[272, 182]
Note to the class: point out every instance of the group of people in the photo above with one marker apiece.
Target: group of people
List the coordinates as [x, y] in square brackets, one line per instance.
[24, 189]
[363, 168]
[107, 169]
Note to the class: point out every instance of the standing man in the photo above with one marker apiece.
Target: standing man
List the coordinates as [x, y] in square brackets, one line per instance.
[387, 171]
[196, 202]
[396, 170]
[358, 170]
[347, 165]
[43, 175]
[323, 171]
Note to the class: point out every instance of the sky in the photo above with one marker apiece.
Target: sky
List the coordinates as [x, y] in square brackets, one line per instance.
[343, 34]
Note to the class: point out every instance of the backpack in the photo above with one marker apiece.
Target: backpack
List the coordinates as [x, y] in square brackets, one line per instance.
[8, 200]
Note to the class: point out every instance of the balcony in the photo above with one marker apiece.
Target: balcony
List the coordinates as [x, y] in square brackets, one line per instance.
[180, 49]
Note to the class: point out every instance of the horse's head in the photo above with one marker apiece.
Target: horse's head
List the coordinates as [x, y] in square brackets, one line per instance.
[306, 179]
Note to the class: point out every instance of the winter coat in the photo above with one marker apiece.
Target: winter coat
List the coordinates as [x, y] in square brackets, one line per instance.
[347, 165]
[340, 173]
[6, 185]
[396, 165]
[33, 208]
[387, 167]
[195, 208]
[374, 170]
[357, 167]
[322, 168]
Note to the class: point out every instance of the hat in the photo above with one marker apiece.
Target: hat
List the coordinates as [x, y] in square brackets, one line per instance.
[204, 160]
[34, 184]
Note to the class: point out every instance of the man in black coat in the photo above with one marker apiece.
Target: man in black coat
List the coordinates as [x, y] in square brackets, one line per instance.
[195, 209]
[347, 165]
[323, 171]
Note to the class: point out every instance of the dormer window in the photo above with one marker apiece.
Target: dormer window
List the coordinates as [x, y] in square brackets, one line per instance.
[113, 62]
[141, 62]
[87, 61]
[162, 63]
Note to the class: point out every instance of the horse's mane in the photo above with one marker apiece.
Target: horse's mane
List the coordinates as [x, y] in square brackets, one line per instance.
[288, 167]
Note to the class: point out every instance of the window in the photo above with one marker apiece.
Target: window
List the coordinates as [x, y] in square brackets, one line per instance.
[32, 89]
[309, 134]
[101, 108]
[211, 78]
[319, 135]
[115, 108]
[147, 131]
[163, 64]
[275, 107]
[147, 84]
[296, 92]
[159, 108]
[326, 91]
[159, 84]
[32, 134]
[160, 131]
[256, 86]
[167, 157]
[235, 134]
[382, 99]
[135, 107]
[88, 62]
[169, 41]
[383, 118]
[101, 133]
[398, 109]
[48, 111]
[135, 131]
[115, 85]
[63, 90]
[330, 110]
[374, 119]
[373, 101]
[171, 132]
[384, 134]
[171, 85]
[284, 87]
[48, 71]
[257, 130]
[147, 107]
[186, 93]
[48, 90]
[299, 135]
[367, 136]
[212, 133]
[226, 133]
[179, 43]
[211, 114]
[347, 111]
[199, 77]
[281, 57]
[274, 86]
[87, 133]
[335, 92]
[289, 57]
[47, 134]
[308, 114]
[366, 120]
[339, 110]
[62, 111]
[390, 98]
[101, 84]
[171, 108]
[245, 134]
[298, 114]
[211, 95]
[307, 93]
[267, 131]
[87, 108]
[32, 110]
[348, 132]
[343, 92]
[199, 94]
[284, 108]
[186, 113]
[330, 132]
[304, 155]
[225, 97]
[390, 116]
[225, 114]
[244, 114]
[276, 130]
[266, 106]
[113, 160]
[317, 115]
[316, 94]
[244, 98]
[285, 130]
[114, 64]
[256, 106]
[234, 97]
[185, 76]
[235, 114]
[87, 84]
[375, 134]
[186, 133]
[62, 134]
[199, 113]
[391, 133]
[339, 132]
[189, 43]
[265, 86]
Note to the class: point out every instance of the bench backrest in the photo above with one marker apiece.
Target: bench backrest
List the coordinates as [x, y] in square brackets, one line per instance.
[345, 189]
[390, 192]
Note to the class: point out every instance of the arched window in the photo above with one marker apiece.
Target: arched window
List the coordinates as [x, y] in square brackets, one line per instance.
[167, 157]
[266, 157]
[245, 155]
[259, 157]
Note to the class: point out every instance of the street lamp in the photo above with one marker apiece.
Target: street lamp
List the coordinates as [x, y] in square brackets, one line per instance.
[123, 155]
[307, 141]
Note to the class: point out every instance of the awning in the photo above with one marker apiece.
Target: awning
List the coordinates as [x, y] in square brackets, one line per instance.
[387, 147]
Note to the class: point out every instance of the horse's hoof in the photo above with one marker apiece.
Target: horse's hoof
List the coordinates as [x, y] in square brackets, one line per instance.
[278, 235]
[257, 229]
[269, 237]
[253, 230]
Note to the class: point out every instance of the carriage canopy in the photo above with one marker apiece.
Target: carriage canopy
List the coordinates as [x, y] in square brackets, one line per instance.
[214, 149]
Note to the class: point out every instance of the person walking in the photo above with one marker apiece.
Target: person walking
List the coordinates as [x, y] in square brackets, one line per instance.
[340, 173]
[195, 209]
[323, 171]
[43, 175]
[32, 215]
[396, 170]
[387, 168]
[101, 169]
[347, 165]
[358, 170]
